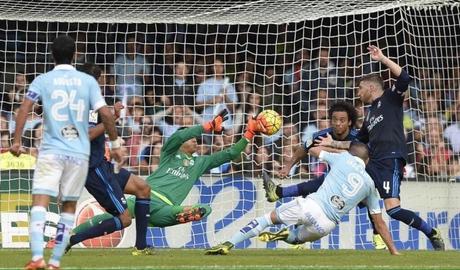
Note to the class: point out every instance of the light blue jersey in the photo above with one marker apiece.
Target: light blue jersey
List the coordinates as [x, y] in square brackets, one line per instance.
[67, 95]
[346, 185]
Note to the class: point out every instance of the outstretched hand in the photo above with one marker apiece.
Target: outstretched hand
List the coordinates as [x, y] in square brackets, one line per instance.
[324, 141]
[215, 125]
[253, 127]
[376, 53]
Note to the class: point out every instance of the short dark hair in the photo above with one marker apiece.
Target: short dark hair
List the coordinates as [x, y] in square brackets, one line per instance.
[63, 49]
[374, 78]
[343, 106]
[359, 149]
[91, 69]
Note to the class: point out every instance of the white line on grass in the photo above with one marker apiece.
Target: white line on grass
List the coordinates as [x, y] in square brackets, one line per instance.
[287, 267]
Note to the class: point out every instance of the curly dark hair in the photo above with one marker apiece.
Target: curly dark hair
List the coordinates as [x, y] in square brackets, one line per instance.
[343, 106]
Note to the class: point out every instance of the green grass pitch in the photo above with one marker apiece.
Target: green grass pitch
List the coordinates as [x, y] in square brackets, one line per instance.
[243, 259]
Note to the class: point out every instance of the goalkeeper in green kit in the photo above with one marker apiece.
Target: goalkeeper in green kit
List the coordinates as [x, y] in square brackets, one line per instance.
[178, 171]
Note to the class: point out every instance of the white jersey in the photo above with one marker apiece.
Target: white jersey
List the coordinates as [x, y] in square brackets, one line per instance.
[67, 95]
[345, 186]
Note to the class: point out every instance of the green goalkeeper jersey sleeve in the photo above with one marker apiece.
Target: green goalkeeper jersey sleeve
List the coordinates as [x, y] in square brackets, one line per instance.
[177, 172]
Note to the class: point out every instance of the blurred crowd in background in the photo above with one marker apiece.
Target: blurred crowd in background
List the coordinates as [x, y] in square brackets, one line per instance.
[178, 85]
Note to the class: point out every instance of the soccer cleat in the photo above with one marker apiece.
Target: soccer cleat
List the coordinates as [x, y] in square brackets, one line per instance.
[436, 240]
[270, 188]
[35, 265]
[193, 214]
[269, 236]
[378, 242]
[142, 252]
[67, 248]
[52, 267]
[220, 249]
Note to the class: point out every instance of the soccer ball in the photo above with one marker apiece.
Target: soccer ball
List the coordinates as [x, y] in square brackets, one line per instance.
[271, 120]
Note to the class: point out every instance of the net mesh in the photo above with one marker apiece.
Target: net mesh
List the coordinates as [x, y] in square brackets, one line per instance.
[175, 64]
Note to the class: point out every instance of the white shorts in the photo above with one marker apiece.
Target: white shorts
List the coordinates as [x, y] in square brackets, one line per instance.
[56, 174]
[305, 212]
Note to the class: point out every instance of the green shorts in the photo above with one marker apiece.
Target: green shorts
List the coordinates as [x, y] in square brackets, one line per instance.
[161, 213]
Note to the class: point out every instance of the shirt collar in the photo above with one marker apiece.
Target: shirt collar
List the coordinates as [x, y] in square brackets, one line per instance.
[64, 67]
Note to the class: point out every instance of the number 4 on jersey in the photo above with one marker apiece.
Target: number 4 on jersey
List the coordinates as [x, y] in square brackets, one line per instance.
[386, 186]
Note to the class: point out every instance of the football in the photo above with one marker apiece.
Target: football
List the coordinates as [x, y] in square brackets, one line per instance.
[271, 120]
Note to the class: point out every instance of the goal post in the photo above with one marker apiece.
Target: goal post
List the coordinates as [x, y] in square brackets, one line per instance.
[176, 63]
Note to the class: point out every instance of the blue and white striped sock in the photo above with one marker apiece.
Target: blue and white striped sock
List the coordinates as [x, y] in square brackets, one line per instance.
[36, 227]
[62, 237]
[252, 229]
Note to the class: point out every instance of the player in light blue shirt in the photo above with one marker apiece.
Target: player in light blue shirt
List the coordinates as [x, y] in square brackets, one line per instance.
[346, 185]
[67, 96]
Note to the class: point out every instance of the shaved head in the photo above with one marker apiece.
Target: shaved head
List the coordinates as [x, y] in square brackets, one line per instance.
[360, 150]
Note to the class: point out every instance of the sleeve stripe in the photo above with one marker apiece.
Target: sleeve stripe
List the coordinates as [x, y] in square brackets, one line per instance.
[101, 103]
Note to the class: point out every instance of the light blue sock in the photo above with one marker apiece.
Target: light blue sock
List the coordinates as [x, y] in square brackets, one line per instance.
[62, 237]
[252, 229]
[36, 227]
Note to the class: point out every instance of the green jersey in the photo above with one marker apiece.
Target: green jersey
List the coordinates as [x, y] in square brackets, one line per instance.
[177, 172]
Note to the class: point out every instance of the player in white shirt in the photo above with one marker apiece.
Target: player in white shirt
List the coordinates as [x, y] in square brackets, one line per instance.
[67, 96]
[346, 185]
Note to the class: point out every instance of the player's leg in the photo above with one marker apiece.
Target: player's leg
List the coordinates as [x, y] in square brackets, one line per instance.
[102, 184]
[387, 175]
[72, 183]
[314, 223]
[141, 190]
[165, 215]
[289, 213]
[45, 183]
[253, 228]
[275, 192]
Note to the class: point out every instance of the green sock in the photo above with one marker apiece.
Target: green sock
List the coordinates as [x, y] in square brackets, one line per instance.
[91, 222]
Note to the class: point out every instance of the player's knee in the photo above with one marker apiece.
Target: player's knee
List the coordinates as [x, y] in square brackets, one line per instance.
[142, 189]
[125, 219]
[395, 212]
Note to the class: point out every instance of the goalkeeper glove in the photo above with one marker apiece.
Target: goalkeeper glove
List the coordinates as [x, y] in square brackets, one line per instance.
[253, 127]
[216, 123]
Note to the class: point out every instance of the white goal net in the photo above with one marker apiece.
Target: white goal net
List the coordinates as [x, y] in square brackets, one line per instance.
[162, 59]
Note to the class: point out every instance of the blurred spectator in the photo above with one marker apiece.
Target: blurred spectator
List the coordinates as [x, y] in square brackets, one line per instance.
[19, 89]
[107, 84]
[264, 160]
[299, 71]
[216, 94]
[133, 114]
[131, 71]
[415, 152]
[452, 132]
[33, 118]
[175, 117]
[251, 107]
[4, 124]
[437, 153]
[81, 55]
[323, 74]
[313, 126]
[272, 94]
[5, 142]
[182, 90]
